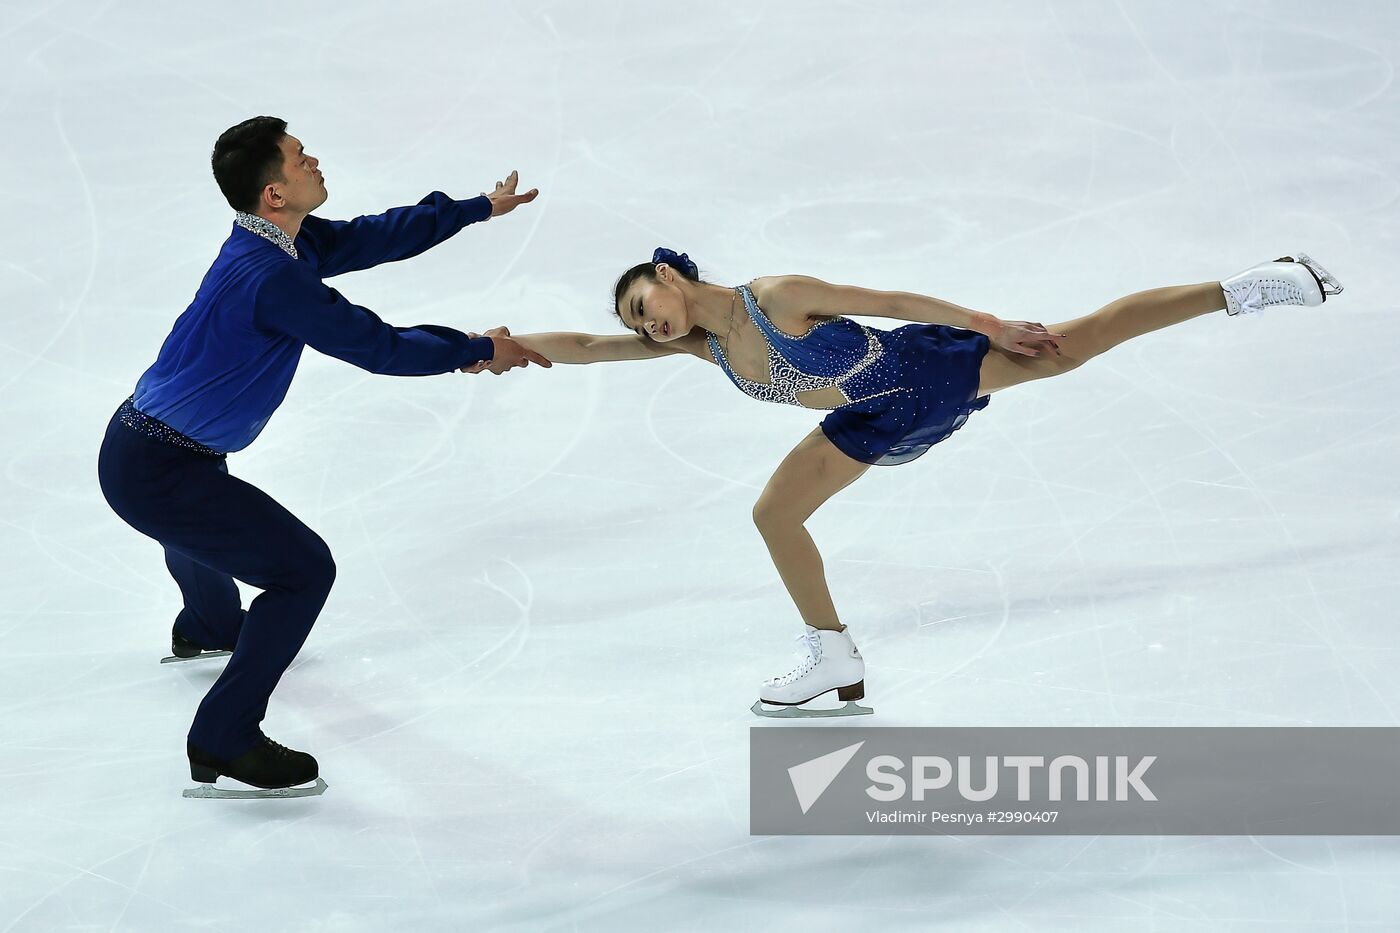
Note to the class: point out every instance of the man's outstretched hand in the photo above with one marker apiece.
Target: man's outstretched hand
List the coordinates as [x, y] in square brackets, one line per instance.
[508, 355]
[504, 199]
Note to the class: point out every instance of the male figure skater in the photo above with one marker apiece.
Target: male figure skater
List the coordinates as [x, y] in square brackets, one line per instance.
[220, 375]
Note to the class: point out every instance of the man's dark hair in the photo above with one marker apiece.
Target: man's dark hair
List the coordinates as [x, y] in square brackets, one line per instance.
[247, 158]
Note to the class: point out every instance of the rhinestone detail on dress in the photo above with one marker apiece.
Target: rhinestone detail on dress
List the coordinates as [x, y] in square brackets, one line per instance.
[786, 382]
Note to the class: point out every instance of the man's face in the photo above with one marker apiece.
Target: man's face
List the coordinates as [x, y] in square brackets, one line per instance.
[303, 189]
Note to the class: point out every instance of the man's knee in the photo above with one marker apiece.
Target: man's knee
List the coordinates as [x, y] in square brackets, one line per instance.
[322, 567]
[311, 566]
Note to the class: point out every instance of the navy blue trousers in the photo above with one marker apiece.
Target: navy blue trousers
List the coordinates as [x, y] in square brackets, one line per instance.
[215, 528]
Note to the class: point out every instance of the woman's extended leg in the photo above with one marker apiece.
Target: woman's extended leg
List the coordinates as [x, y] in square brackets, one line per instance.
[1088, 336]
[812, 473]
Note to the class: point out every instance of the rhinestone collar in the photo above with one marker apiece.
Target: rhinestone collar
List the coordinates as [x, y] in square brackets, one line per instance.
[267, 230]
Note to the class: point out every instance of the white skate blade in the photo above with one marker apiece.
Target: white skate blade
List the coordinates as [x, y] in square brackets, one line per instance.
[851, 708]
[210, 792]
[199, 657]
[1330, 285]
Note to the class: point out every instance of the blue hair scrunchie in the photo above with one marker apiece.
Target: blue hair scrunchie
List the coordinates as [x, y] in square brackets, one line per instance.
[679, 260]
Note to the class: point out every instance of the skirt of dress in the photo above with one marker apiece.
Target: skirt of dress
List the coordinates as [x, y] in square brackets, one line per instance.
[938, 372]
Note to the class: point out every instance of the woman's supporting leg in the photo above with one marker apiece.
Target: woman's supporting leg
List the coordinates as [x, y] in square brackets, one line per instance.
[1088, 336]
[812, 473]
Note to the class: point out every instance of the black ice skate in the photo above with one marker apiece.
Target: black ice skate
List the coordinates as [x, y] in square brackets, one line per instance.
[182, 649]
[276, 770]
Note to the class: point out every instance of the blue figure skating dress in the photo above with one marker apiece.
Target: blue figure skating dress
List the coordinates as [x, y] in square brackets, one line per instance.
[905, 389]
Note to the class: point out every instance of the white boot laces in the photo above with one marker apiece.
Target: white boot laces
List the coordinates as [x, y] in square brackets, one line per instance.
[1281, 292]
[809, 649]
[1256, 294]
[1248, 296]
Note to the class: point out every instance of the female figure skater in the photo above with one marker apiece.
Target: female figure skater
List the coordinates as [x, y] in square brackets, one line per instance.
[891, 394]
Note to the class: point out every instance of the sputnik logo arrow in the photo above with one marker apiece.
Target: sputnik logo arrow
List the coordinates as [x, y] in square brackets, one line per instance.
[811, 778]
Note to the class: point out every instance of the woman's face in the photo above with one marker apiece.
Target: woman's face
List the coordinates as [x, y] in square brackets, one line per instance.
[656, 308]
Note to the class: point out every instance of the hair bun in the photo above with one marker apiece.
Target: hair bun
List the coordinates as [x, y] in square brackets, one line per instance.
[680, 260]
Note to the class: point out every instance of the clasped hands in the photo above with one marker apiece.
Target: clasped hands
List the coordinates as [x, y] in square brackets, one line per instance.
[508, 354]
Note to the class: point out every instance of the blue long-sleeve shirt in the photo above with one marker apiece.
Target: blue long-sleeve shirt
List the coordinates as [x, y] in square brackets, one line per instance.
[231, 356]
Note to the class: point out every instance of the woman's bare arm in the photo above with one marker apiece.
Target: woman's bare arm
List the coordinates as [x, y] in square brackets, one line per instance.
[790, 295]
[799, 297]
[568, 347]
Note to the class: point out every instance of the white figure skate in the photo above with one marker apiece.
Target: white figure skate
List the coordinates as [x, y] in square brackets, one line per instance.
[829, 661]
[1292, 280]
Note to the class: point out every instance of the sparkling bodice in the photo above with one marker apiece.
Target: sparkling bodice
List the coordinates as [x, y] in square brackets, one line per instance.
[837, 353]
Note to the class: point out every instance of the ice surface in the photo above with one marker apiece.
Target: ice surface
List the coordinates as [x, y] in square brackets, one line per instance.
[530, 687]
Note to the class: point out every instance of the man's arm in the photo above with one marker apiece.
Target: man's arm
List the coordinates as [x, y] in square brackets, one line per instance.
[403, 232]
[292, 302]
[398, 233]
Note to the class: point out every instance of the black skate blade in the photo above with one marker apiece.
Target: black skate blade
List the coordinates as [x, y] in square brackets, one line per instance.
[210, 792]
[851, 708]
[172, 659]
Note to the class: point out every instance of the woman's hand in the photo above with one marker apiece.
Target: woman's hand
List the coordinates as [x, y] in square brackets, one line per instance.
[1023, 337]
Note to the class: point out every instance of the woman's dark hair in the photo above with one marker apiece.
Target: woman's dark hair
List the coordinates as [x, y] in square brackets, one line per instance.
[680, 262]
[247, 158]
